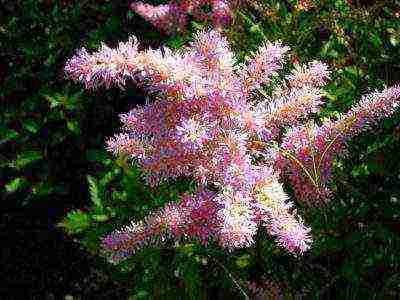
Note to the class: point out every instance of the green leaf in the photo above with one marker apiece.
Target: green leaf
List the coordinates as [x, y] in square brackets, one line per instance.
[376, 41]
[100, 218]
[73, 126]
[94, 192]
[360, 170]
[107, 178]
[328, 50]
[69, 102]
[16, 184]
[243, 261]
[58, 137]
[44, 188]
[394, 40]
[197, 26]
[176, 42]
[257, 29]
[30, 125]
[140, 295]
[75, 222]
[8, 134]
[25, 158]
[73, 102]
[54, 100]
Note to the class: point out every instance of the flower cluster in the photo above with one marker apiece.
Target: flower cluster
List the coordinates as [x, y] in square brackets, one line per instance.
[307, 152]
[173, 16]
[205, 124]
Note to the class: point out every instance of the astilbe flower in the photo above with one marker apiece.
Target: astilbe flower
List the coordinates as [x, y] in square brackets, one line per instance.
[263, 65]
[275, 212]
[293, 102]
[307, 152]
[167, 17]
[173, 16]
[105, 67]
[195, 217]
[238, 226]
[203, 124]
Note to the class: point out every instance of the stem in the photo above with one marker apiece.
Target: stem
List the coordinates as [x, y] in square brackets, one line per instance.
[233, 279]
[312, 154]
[326, 150]
[346, 127]
[293, 158]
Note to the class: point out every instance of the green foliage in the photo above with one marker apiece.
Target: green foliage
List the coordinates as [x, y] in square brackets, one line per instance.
[47, 123]
[118, 195]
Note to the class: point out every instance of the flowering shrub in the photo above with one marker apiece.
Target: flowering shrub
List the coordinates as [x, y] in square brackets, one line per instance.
[205, 123]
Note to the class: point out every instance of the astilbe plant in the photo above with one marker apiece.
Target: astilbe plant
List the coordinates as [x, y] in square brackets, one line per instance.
[205, 123]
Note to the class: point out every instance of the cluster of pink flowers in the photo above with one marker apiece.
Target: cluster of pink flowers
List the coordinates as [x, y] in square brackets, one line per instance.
[306, 153]
[204, 123]
[173, 16]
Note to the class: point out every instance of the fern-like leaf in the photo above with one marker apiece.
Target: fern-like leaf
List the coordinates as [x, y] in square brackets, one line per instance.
[95, 195]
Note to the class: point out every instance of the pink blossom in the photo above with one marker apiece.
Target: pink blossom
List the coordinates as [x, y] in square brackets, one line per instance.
[173, 16]
[263, 65]
[288, 110]
[274, 210]
[307, 153]
[314, 74]
[105, 67]
[238, 227]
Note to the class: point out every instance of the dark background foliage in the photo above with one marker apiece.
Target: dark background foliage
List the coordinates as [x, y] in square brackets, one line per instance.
[52, 136]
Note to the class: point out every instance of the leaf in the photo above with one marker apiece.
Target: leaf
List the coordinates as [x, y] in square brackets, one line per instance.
[73, 126]
[394, 40]
[94, 192]
[328, 50]
[360, 170]
[375, 39]
[257, 29]
[69, 102]
[8, 134]
[100, 218]
[16, 184]
[54, 100]
[73, 102]
[44, 188]
[25, 158]
[107, 178]
[75, 222]
[140, 295]
[176, 42]
[196, 25]
[31, 126]
[243, 261]
[58, 137]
